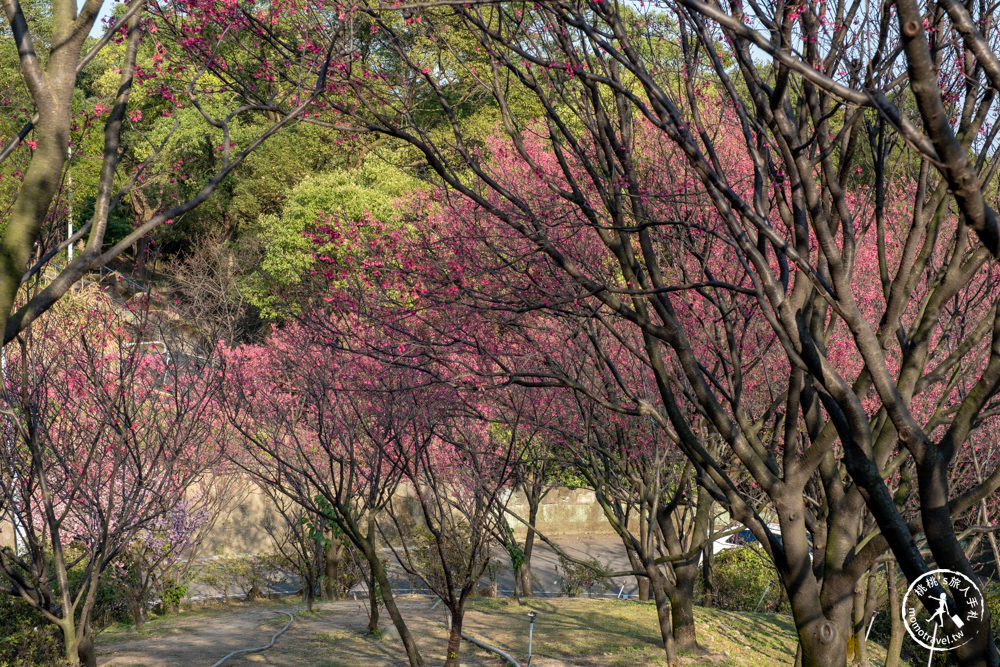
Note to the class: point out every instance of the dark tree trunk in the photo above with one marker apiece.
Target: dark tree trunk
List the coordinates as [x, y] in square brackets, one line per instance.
[706, 576]
[657, 585]
[524, 579]
[527, 589]
[682, 608]
[455, 637]
[85, 649]
[373, 602]
[332, 560]
[308, 594]
[139, 616]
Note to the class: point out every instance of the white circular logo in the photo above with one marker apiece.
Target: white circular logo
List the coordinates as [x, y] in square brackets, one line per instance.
[934, 621]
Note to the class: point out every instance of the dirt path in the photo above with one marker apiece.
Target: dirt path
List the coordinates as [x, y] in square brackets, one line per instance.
[331, 635]
[194, 638]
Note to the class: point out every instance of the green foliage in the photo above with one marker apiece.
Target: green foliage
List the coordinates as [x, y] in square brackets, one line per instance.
[740, 577]
[26, 637]
[247, 574]
[335, 197]
[514, 550]
[172, 594]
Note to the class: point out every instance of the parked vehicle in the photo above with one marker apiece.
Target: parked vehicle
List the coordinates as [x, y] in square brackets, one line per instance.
[742, 538]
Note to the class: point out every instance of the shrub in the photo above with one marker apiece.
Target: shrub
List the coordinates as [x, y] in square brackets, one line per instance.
[172, 593]
[580, 577]
[740, 578]
[26, 638]
[991, 591]
[249, 575]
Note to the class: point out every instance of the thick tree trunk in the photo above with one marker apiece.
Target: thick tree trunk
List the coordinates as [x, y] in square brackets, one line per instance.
[524, 579]
[682, 608]
[657, 585]
[139, 616]
[85, 649]
[70, 642]
[332, 558]
[823, 640]
[823, 644]
[454, 641]
[308, 594]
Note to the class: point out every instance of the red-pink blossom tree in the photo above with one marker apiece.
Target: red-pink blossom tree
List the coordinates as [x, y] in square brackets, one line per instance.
[822, 307]
[317, 425]
[102, 438]
[460, 461]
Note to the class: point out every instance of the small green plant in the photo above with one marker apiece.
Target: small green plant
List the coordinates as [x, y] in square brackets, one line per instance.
[740, 578]
[172, 594]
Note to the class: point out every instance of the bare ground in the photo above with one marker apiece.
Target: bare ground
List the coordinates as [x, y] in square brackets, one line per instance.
[333, 634]
[568, 631]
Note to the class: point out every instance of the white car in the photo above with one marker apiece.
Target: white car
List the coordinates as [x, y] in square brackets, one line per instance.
[743, 537]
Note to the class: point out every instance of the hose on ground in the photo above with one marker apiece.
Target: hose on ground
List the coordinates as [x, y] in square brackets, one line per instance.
[492, 649]
[291, 617]
[480, 643]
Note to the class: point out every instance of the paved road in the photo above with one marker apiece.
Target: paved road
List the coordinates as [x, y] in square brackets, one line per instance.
[607, 549]
[544, 561]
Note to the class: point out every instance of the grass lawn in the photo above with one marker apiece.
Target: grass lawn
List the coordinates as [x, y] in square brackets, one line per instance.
[582, 631]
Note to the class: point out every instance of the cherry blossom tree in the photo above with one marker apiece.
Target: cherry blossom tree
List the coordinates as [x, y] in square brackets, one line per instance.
[317, 425]
[813, 288]
[157, 561]
[102, 438]
[460, 463]
[528, 415]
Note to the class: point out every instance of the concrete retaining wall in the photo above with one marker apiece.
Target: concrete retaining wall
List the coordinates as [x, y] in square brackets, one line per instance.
[562, 512]
[241, 529]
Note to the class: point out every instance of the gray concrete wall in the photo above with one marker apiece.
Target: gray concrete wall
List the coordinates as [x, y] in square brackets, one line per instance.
[241, 528]
[562, 512]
